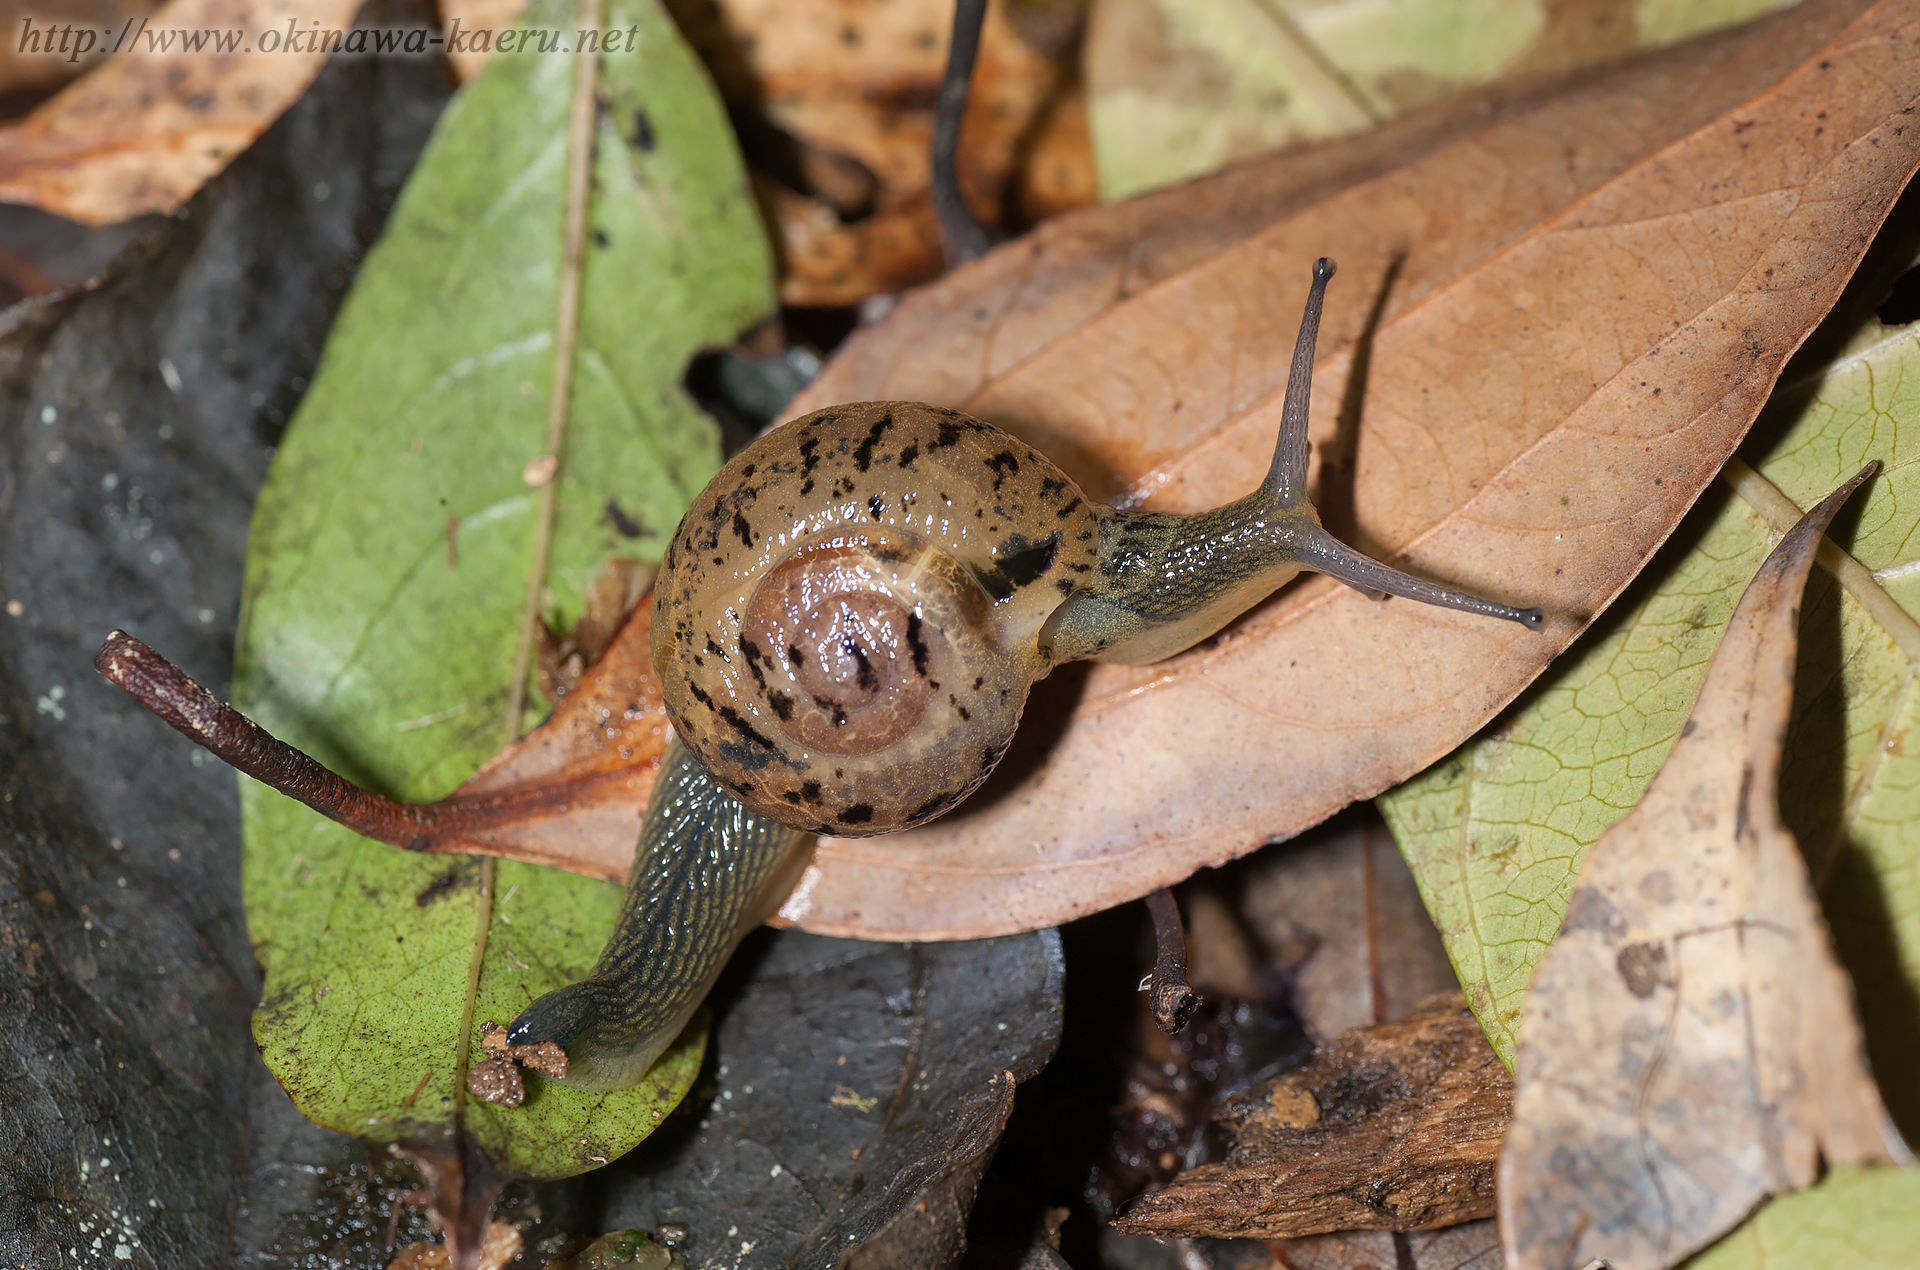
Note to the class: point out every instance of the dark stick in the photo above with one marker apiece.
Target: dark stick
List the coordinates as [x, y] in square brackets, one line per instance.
[1174, 999]
[964, 237]
[238, 741]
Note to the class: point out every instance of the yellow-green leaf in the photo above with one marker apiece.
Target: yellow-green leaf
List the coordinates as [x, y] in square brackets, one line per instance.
[1860, 1219]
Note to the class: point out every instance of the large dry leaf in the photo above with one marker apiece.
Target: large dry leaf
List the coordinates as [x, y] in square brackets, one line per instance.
[1689, 1045]
[186, 91]
[1580, 304]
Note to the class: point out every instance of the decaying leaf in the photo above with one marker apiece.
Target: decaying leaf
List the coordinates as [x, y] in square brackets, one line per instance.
[1181, 87]
[1498, 832]
[392, 559]
[186, 90]
[1471, 1246]
[1395, 1126]
[1689, 1046]
[836, 100]
[1581, 304]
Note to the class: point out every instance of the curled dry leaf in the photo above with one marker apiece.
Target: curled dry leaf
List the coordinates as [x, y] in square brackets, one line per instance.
[186, 91]
[1689, 1045]
[1395, 1126]
[1554, 322]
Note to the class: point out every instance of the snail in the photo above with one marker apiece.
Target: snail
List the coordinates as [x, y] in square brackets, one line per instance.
[846, 626]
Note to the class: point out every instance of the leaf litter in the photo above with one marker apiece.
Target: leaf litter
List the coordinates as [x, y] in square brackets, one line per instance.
[1690, 1046]
[143, 131]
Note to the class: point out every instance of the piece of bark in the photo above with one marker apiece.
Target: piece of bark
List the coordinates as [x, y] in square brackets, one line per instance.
[1689, 1045]
[1393, 1127]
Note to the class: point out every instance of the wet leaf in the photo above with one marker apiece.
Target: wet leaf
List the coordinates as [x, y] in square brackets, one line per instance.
[389, 568]
[1498, 833]
[1183, 88]
[1689, 1046]
[145, 130]
[860, 1089]
[1858, 1218]
[1551, 382]
[126, 975]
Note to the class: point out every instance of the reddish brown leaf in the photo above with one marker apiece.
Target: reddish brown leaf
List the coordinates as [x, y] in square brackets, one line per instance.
[1581, 304]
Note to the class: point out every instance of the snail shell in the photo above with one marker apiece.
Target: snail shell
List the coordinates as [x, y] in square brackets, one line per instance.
[847, 621]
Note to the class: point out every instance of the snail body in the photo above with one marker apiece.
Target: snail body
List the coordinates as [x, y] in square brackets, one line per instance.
[846, 626]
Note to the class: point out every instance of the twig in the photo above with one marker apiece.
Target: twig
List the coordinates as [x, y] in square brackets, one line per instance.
[238, 741]
[963, 236]
[1174, 999]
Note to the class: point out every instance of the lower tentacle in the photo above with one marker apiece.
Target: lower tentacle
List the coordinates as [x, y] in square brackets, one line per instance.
[707, 872]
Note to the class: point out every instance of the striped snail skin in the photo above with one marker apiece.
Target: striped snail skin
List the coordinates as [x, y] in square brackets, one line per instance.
[846, 626]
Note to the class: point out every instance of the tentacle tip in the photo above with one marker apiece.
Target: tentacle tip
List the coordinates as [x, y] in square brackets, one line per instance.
[1532, 619]
[1323, 269]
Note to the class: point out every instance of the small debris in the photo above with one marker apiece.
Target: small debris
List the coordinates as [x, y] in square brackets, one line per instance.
[497, 1079]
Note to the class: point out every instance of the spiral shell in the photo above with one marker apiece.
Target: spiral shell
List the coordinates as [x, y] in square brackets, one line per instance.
[845, 624]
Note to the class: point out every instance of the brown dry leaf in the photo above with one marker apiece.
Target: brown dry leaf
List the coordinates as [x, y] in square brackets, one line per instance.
[1474, 1245]
[1395, 1126]
[500, 1247]
[30, 65]
[1581, 304]
[1689, 1045]
[149, 127]
[853, 82]
[476, 15]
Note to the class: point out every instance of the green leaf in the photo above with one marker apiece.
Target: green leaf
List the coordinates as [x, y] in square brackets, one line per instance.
[1177, 88]
[1496, 833]
[390, 558]
[1862, 1219]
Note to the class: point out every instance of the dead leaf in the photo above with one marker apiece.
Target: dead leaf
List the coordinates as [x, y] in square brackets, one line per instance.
[500, 1246]
[841, 94]
[475, 15]
[1339, 911]
[1395, 1126]
[1472, 1246]
[30, 66]
[148, 128]
[1689, 1045]
[1582, 304]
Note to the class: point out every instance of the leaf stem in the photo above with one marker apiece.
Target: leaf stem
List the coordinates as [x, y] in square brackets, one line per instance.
[566, 325]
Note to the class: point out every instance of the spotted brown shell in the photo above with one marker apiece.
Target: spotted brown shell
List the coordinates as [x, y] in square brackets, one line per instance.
[846, 622]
